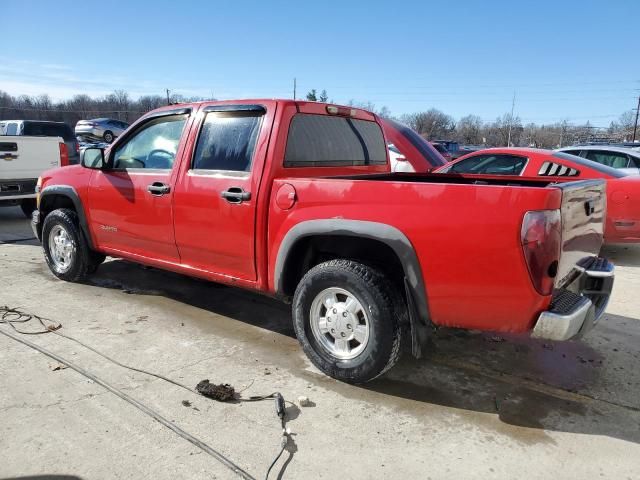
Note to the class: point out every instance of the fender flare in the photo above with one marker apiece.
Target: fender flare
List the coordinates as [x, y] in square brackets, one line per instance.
[415, 288]
[69, 192]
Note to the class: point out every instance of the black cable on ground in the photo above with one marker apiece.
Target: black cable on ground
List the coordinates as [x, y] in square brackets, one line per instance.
[13, 315]
[140, 406]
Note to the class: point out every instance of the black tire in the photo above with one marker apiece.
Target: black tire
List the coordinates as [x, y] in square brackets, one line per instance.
[108, 136]
[375, 293]
[28, 205]
[83, 260]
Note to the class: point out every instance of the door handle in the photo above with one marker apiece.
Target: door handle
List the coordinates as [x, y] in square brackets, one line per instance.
[236, 195]
[158, 189]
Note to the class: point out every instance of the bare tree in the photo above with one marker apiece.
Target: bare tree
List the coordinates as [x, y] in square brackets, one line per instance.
[468, 130]
[432, 124]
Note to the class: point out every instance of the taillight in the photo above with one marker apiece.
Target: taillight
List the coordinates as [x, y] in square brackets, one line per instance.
[64, 154]
[541, 238]
[77, 148]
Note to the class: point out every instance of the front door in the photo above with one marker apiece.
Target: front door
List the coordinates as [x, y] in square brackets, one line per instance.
[131, 201]
[215, 198]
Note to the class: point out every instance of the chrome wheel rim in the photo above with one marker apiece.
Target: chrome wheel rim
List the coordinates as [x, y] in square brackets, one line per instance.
[61, 248]
[340, 323]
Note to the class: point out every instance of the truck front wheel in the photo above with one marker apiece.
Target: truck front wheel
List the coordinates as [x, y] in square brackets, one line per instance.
[65, 249]
[346, 321]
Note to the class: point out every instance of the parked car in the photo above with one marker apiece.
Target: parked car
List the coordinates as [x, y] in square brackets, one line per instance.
[419, 153]
[397, 160]
[623, 191]
[105, 129]
[296, 200]
[42, 128]
[22, 161]
[622, 158]
[442, 150]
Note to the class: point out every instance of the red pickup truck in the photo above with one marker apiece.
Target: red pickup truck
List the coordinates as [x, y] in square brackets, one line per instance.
[295, 200]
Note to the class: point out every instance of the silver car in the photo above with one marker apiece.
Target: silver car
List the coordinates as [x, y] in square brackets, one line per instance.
[624, 159]
[100, 128]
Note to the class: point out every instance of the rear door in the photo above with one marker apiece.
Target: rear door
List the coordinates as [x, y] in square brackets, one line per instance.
[217, 192]
[131, 201]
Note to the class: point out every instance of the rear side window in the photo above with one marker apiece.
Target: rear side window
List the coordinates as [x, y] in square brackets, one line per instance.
[325, 141]
[12, 129]
[590, 164]
[573, 152]
[610, 159]
[227, 141]
[491, 165]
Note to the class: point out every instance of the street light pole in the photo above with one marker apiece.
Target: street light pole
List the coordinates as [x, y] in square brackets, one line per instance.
[513, 104]
[635, 126]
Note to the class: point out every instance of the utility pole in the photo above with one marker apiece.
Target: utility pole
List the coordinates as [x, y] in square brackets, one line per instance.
[635, 126]
[513, 104]
[294, 88]
[168, 100]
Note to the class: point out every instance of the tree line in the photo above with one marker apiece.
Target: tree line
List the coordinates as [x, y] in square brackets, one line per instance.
[432, 124]
[117, 105]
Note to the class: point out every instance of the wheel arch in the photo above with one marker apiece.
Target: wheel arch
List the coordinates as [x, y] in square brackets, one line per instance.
[296, 256]
[63, 196]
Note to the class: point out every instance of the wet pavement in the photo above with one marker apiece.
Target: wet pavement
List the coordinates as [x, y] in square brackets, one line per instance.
[478, 405]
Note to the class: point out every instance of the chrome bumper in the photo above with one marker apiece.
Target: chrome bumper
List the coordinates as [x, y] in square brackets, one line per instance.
[576, 308]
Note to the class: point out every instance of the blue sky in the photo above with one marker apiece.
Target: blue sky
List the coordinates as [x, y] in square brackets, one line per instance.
[575, 60]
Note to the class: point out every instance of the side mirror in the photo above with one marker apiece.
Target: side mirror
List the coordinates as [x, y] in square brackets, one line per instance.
[93, 157]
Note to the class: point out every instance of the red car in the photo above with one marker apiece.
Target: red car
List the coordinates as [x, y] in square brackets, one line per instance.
[623, 191]
[296, 200]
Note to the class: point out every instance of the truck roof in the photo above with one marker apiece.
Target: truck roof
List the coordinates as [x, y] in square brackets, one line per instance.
[283, 101]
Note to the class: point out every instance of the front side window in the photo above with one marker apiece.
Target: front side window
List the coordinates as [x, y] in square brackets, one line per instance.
[491, 165]
[12, 129]
[154, 145]
[610, 159]
[227, 141]
[326, 141]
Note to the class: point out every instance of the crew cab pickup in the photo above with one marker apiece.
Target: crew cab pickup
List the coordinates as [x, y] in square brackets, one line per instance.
[296, 200]
[22, 160]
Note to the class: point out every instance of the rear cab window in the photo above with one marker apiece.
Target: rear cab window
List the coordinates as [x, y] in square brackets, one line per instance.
[11, 129]
[45, 129]
[333, 141]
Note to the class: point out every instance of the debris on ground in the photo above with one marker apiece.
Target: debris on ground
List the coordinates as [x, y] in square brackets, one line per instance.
[57, 366]
[495, 338]
[186, 403]
[222, 392]
[304, 401]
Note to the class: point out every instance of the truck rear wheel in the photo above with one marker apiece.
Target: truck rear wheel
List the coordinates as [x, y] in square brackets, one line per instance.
[346, 321]
[65, 249]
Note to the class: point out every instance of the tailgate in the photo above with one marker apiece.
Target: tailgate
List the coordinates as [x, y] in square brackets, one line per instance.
[583, 211]
[27, 157]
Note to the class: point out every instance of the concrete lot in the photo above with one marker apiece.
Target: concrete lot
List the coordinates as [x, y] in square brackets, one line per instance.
[479, 406]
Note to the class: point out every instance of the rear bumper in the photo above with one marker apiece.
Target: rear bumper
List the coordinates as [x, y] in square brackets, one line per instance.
[576, 309]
